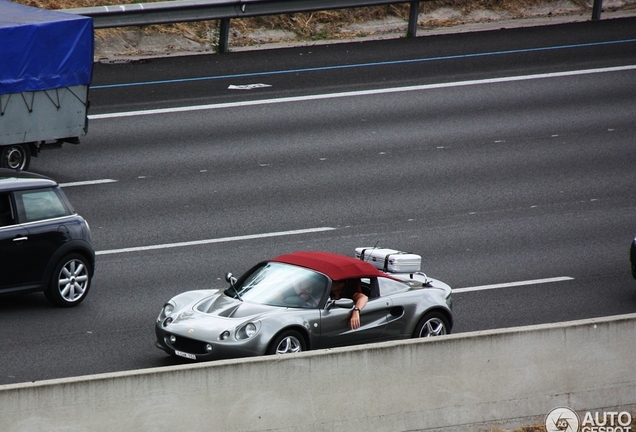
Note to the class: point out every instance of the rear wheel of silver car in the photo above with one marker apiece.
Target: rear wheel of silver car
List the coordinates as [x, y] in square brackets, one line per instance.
[287, 343]
[432, 324]
[15, 157]
[70, 281]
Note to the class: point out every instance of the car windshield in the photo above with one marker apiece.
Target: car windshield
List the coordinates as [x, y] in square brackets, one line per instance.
[278, 284]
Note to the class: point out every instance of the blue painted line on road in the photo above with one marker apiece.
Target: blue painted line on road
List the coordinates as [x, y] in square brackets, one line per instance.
[361, 65]
[358, 93]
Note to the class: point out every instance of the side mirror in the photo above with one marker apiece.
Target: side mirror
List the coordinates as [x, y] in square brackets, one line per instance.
[344, 303]
[230, 278]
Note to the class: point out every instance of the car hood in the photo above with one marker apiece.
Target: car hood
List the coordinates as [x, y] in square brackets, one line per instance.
[213, 304]
[220, 305]
[205, 314]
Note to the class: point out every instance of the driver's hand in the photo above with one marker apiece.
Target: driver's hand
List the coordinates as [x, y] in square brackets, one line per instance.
[355, 320]
[307, 298]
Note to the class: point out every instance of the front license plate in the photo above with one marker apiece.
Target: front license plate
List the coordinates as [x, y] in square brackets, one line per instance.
[186, 355]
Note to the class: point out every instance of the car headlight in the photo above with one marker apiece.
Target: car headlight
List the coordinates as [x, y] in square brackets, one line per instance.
[248, 330]
[166, 310]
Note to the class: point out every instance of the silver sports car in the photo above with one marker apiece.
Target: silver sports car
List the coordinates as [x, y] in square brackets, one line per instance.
[283, 305]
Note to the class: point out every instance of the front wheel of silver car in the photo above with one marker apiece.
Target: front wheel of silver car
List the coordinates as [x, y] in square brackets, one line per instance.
[432, 324]
[70, 281]
[287, 343]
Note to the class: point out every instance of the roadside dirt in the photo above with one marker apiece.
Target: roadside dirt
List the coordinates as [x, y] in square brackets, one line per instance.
[326, 27]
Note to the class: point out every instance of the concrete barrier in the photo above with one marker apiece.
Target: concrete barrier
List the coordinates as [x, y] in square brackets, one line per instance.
[459, 382]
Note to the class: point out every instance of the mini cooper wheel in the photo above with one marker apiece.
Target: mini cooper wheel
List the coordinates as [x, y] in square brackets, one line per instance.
[432, 324]
[70, 281]
[287, 343]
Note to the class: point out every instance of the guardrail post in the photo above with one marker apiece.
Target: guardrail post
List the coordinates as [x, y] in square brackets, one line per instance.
[224, 35]
[413, 14]
[596, 10]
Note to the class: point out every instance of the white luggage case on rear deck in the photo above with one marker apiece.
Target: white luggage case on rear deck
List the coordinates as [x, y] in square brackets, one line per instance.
[390, 260]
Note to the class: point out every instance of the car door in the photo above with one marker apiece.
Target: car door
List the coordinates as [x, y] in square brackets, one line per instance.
[45, 237]
[41, 214]
[336, 329]
[14, 257]
[14, 250]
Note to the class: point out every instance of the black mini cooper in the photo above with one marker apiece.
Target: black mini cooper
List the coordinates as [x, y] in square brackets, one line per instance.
[44, 244]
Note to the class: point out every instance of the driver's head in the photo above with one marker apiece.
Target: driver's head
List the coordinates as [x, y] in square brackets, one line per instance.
[302, 286]
[336, 289]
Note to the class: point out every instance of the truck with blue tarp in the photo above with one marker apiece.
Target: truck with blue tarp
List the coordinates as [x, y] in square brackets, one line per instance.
[46, 66]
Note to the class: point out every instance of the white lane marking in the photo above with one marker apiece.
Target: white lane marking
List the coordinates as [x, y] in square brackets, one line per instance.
[513, 284]
[360, 93]
[87, 182]
[216, 240]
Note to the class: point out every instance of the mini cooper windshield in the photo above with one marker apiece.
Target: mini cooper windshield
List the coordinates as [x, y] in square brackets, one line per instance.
[278, 284]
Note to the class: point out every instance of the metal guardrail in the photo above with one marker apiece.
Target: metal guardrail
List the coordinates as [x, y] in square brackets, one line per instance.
[165, 12]
[141, 14]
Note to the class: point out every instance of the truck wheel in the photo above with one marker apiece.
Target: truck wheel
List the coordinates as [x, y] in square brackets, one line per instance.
[16, 156]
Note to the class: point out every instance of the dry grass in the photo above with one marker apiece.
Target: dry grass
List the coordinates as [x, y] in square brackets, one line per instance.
[343, 15]
[306, 26]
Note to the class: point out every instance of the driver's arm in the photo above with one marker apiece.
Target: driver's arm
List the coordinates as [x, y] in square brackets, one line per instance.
[360, 301]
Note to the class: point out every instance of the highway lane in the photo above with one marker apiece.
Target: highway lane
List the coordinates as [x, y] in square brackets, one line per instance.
[357, 66]
[491, 183]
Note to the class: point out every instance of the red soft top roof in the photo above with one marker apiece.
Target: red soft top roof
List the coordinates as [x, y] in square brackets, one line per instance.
[337, 267]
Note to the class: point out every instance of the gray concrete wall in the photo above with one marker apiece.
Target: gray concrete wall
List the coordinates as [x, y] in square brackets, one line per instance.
[457, 382]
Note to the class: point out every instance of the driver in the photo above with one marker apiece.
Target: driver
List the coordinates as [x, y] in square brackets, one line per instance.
[350, 289]
[309, 290]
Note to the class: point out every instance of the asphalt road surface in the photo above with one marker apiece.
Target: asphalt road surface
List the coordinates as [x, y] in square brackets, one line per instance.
[506, 159]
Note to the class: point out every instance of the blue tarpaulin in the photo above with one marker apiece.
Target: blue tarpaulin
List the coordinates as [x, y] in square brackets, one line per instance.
[42, 49]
